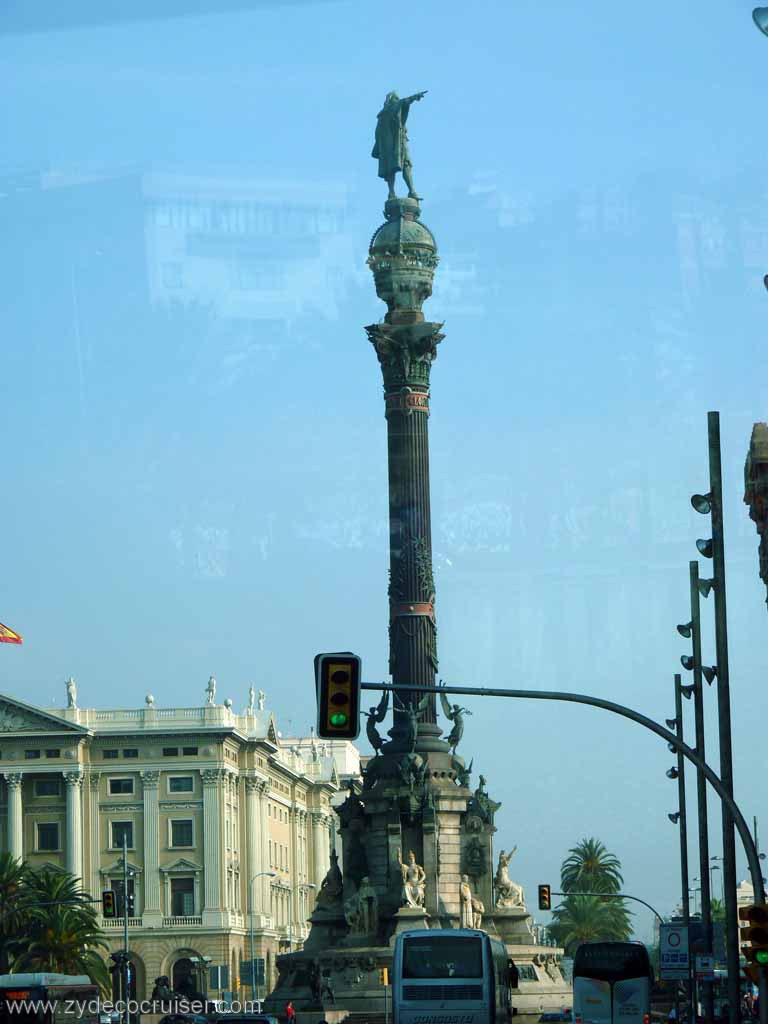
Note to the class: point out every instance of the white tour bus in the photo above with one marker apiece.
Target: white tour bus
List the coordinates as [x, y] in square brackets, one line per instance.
[451, 976]
[612, 983]
[47, 998]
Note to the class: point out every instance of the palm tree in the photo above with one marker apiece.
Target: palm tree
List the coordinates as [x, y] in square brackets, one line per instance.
[61, 932]
[589, 867]
[12, 876]
[581, 919]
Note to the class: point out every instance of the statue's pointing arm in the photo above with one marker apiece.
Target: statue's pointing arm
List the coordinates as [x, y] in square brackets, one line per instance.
[415, 98]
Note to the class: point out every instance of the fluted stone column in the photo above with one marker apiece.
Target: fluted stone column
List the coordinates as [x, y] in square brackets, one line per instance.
[94, 845]
[320, 862]
[151, 911]
[74, 837]
[15, 815]
[255, 893]
[265, 882]
[212, 843]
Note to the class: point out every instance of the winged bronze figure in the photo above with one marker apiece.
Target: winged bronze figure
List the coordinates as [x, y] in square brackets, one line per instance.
[375, 716]
[455, 715]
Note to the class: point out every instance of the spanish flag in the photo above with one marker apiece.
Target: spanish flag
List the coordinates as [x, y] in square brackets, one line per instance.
[7, 636]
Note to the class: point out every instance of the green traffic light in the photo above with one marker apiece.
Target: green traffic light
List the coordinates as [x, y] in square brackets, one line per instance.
[761, 956]
[338, 719]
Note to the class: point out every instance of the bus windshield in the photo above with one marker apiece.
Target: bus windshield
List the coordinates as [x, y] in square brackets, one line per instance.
[610, 961]
[443, 957]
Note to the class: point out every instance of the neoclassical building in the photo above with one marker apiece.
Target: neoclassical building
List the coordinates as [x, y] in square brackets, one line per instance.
[207, 800]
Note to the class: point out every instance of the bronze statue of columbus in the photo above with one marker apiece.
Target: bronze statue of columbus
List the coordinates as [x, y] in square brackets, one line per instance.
[391, 146]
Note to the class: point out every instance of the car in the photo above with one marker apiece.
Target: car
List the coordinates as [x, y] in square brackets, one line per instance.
[557, 1017]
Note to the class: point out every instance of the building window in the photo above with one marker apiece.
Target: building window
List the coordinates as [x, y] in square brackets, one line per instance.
[54, 752]
[47, 787]
[120, 786]
[170, 751]
[122, 830]
[130, 752]
[189, 751]
[182, 832]
[48, 836]
[181, 784]
[31, 755]
[182, 897]
[109, 755]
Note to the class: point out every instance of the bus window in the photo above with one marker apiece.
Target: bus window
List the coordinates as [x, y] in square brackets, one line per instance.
[443, 957]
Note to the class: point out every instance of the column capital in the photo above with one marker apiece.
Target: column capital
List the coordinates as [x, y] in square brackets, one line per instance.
[150, 779]
[212, 776]
[253, 785]
[94, 778]
[74, 778]
[13, 779]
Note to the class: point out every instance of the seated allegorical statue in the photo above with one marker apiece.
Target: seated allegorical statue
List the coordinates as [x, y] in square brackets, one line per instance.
[414, 878]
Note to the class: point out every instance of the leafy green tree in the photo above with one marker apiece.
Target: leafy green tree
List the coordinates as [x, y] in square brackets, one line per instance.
[589, 867]
[581, 919]
[12, 873]
[53, 924]
[717, 909]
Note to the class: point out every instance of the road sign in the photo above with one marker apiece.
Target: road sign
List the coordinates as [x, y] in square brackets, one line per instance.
[674, 958]
[705, 966]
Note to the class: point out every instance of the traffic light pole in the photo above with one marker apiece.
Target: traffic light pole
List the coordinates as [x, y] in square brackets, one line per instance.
[648, 723]
[612, 896]
[126, 988]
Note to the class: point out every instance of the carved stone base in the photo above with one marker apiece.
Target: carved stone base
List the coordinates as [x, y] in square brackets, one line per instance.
[409, 919]
[511, 924]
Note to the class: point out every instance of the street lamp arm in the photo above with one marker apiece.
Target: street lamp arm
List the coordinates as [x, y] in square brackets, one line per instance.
[613, 896]
[625, 712]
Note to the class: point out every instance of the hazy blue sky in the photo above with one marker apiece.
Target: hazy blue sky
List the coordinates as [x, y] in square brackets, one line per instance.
[205, 492]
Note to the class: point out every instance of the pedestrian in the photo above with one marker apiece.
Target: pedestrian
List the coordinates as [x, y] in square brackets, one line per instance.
[672, 1015]
[290, 1013]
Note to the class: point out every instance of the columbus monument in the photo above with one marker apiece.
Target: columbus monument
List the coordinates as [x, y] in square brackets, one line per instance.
[417, 841]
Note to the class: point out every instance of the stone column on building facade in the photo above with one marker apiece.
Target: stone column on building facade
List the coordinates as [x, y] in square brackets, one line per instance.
[15, 816]
[152, 912]
[264, 881]
[212, 844]
[73, 841]
[253, 848]
[94, 819]
[320, 863]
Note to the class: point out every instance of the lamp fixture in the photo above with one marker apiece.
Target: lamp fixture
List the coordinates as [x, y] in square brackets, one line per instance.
[685, 629]
[704, 587]
[709, 672]
[686, 661]
[704, 547]
[670, 722]
[672, 773]
[687, 691]
[674, 818]
[702, 503]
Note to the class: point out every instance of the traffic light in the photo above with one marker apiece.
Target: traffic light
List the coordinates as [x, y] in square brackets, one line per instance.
[545, 897]
[755, 932]
[337, 679]
[108, 903]
[383, 975]
[131, 904]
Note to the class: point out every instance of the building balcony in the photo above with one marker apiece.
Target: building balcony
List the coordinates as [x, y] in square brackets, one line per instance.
[115, 923]
[182, 922]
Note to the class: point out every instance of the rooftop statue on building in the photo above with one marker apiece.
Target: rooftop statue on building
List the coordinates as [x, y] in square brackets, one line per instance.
[391, 145]
[210, 692]
[251, 699]
[262, 700]
[71, 693]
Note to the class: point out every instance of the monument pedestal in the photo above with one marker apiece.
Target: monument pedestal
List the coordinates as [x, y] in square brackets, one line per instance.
[409, 919]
